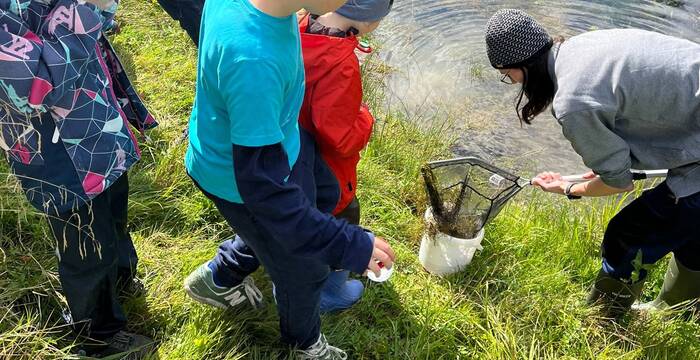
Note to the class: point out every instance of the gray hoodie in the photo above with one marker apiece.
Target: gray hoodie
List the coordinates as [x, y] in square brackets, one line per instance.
[631, 99]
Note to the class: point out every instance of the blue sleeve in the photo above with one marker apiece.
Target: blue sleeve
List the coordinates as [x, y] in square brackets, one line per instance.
[254, 92]
[283, 209]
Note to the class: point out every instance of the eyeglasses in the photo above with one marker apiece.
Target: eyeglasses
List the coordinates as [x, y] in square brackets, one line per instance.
[506, 79]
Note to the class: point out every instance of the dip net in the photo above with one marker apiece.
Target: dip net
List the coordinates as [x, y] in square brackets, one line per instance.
[466, 193]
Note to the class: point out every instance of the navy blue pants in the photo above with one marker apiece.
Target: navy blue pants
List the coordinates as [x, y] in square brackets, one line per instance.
[235, 260]
[188, 13]
[298, 280]
[648, 229]
[96, 255]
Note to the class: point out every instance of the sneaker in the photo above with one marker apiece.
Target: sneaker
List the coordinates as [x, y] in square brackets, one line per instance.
[122, 345]
[133, 288]
[321, 351]
[200, 286]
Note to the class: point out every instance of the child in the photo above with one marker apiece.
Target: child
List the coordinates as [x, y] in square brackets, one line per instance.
[247, 155]
[334, 114]
[65, 130]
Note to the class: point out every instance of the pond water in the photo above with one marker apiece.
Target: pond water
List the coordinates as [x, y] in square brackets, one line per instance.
[437, 51]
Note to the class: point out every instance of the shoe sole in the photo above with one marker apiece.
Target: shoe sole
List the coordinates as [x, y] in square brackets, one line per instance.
[205, 300]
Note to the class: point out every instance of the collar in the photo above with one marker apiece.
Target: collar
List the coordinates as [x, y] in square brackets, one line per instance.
[315, 27]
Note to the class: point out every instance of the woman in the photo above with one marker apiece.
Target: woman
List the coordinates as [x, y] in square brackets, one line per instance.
[625, 99]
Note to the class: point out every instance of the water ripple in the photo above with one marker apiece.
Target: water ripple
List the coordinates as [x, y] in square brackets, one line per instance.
[438, 50]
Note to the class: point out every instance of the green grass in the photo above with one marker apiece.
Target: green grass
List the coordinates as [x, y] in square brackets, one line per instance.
[521, 298]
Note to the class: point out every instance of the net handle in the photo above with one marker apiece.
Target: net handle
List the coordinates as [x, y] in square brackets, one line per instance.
[636, 175]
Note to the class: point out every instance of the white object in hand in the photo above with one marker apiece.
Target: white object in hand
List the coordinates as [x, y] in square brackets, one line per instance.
[384, 274]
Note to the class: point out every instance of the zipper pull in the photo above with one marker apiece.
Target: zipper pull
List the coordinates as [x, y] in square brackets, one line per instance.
[56, 134]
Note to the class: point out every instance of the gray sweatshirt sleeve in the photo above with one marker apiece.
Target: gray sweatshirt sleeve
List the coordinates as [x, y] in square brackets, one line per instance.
[603, 151]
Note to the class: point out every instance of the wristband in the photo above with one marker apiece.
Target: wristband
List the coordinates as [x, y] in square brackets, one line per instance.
[567, 192]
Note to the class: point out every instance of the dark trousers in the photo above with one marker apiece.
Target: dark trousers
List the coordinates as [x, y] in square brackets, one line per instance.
[648, 229]
[188, 13]
[235, 260]
[95, 255]
[298, 280]
[351, 213]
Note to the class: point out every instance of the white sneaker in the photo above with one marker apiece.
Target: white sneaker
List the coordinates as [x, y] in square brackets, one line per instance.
[321, 351]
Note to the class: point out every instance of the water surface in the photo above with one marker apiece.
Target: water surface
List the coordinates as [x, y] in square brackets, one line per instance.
[437, 50]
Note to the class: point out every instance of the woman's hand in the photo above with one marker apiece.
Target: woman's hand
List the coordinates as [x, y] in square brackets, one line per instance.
[554, 183]
[590, 175]
[551, 182]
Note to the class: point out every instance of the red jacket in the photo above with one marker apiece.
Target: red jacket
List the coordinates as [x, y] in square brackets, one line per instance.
[333, 110]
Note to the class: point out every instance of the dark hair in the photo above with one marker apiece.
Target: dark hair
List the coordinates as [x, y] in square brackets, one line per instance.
[538, 86]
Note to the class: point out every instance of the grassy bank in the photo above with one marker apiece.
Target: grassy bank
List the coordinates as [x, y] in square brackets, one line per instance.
[520, 299]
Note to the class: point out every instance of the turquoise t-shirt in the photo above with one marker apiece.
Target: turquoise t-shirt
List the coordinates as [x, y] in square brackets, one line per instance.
[250, 87]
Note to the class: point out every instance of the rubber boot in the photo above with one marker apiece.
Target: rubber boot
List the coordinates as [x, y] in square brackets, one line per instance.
[615, 296]
[339, 293]
[680, 285]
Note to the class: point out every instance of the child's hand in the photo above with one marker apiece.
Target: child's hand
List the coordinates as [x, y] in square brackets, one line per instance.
[383, 253]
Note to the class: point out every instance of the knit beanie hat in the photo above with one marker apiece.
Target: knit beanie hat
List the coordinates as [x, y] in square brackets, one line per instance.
[365, 10]
[514, 37]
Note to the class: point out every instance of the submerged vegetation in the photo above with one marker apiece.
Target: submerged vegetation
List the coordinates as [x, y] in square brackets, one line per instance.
[521, 298]
[674, 3]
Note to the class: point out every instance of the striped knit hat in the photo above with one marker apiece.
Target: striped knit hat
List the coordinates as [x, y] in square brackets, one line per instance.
[514, 37]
